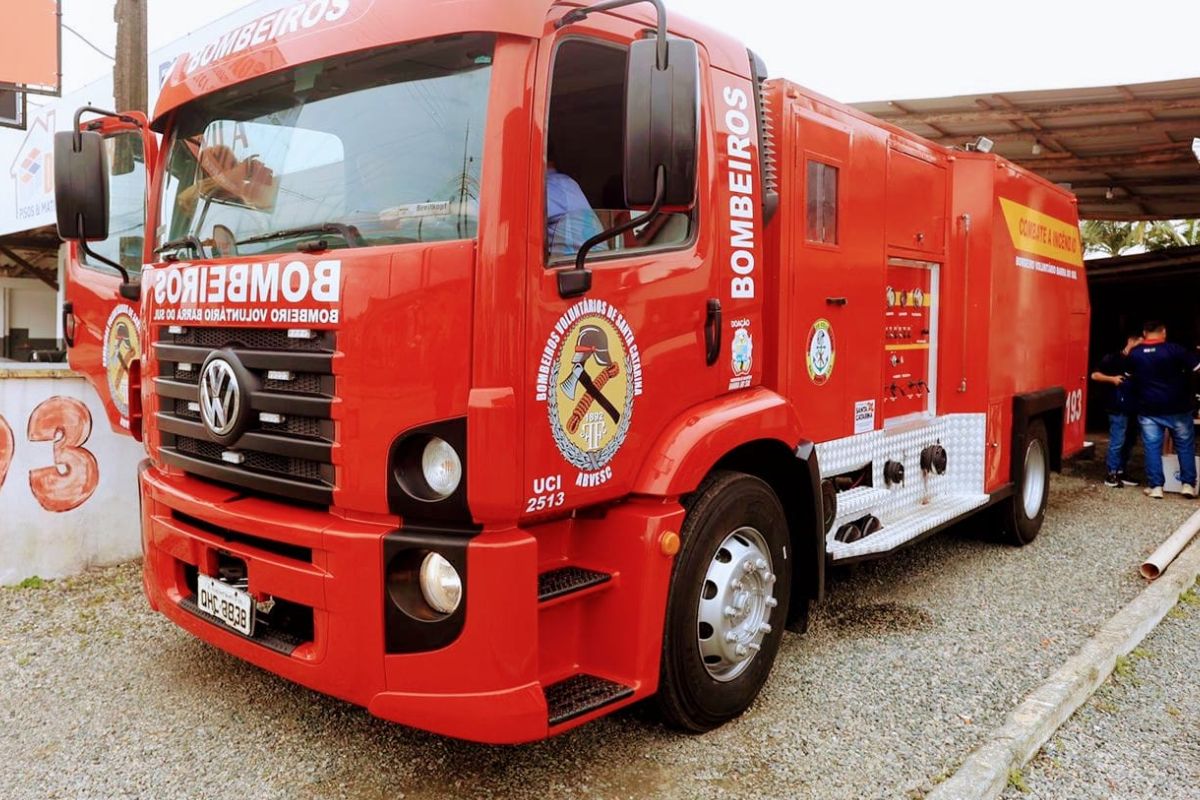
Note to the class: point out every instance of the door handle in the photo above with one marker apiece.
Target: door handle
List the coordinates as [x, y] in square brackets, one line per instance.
[68, 324]
[836, 301]
[712, 332]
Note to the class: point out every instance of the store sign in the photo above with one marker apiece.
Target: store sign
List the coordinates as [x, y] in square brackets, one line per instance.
[32, 172]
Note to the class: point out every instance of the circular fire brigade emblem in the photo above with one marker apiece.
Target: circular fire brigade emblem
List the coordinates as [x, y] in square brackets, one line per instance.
[821, 352]
[590, 374]
[121, 346]
[742, 351]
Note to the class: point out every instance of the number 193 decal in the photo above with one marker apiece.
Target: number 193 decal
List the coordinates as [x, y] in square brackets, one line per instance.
[1074, 410]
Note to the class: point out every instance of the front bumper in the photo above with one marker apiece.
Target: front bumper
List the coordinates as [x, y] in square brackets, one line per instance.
[481, 686]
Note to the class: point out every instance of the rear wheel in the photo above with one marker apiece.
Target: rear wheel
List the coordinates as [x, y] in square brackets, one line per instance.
[1025, 511]
[727, 603]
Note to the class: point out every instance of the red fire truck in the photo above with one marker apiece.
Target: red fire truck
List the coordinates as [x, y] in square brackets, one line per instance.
[501, 364]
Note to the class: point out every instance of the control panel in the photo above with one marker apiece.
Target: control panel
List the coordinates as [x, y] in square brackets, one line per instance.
[909, 338]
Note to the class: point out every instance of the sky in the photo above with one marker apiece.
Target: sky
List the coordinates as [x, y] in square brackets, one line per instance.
[850, 50]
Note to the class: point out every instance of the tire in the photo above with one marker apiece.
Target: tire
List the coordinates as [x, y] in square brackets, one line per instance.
[1023, 513]
[733, 520]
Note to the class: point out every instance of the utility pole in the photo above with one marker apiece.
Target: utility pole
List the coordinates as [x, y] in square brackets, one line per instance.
[129, 70]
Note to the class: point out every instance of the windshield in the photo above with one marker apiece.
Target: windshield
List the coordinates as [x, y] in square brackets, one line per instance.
[382, 147]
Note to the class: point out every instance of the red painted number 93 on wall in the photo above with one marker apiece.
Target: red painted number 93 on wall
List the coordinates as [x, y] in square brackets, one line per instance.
[72, 478]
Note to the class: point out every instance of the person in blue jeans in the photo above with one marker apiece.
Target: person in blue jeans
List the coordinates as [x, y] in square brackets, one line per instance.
[1113, 376]
[1161, 373]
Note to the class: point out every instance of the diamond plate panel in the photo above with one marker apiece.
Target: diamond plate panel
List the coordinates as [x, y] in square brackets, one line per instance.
[922, 501]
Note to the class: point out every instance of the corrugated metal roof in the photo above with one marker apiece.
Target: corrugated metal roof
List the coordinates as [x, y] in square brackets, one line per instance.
[36, 253]
[1126, 151]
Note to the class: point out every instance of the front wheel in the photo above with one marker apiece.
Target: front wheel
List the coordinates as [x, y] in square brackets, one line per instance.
[727, 604]
[1025, 511]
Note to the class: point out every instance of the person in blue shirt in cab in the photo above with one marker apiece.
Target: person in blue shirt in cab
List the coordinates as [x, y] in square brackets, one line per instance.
[1161, 374]
[1113, 375]
[570, 218]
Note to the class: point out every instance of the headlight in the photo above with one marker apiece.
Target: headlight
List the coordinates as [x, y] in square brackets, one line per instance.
[426, 468]
[441, 585]
[441, 467]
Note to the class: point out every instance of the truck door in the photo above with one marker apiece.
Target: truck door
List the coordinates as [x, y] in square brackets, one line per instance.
[613, 366]
[833, 311]
[102, 329]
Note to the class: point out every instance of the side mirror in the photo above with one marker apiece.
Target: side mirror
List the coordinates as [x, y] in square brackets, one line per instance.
[81, 186]
[662, 123]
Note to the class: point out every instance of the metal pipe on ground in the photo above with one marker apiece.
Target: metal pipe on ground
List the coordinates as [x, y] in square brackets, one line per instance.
[1161, 558]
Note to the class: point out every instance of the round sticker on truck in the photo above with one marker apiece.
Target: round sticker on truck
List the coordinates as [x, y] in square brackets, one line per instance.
[121, 347]
[820, 352]
[591, 372]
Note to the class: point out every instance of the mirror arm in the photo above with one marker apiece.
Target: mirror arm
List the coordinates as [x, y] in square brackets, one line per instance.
[580, 14]
[129, 290]
[578, 279]
[79, 112]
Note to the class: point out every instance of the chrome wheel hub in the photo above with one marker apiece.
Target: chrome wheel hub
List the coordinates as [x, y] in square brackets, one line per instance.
[1034, 489]
[735, 604]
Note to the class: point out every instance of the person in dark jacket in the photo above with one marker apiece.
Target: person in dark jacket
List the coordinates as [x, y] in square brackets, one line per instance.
[1161, 373]
[1113, 375]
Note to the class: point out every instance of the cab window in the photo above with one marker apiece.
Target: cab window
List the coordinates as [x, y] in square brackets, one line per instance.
[126, 203]
[584, 158]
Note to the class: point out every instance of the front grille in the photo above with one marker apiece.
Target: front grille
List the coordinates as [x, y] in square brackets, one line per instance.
[251, 339]
[302, 383]
[285, 448]
[184, 408]
[302, 468]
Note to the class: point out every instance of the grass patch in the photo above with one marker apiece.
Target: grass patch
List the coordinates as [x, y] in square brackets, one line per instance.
[1016, 779]
[1177, 612]
[1190, 597]
[1105, 705]
[1174, 712]
[1140, 652]
[32, 582]
[1124, 667]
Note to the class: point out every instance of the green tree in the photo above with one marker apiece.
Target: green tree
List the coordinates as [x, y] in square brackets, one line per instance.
[1175, 233]
[1110, 237]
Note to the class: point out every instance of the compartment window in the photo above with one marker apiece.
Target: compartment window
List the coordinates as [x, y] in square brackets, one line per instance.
[822, 209]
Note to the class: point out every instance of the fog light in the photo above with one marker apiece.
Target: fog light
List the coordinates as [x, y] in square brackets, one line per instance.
[441, 585]
[441, 467]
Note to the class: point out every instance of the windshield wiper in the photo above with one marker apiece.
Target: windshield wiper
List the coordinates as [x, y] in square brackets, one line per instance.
[348, 232]
[191, 240]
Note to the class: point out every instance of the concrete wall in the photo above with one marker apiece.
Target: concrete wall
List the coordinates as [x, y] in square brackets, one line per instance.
[68, 484]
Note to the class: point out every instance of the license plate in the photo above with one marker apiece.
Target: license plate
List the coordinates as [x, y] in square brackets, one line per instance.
[232, 606]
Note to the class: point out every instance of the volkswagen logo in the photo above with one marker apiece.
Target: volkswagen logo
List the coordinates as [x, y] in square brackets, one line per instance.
[220, 397]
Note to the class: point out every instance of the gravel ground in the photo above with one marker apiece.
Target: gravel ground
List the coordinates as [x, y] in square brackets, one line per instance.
[1137, 737]
[908, 665]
